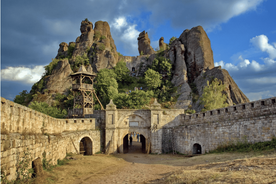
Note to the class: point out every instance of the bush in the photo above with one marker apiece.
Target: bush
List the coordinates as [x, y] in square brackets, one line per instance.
[46, 109]
[23, 98]
[70, 50]
[101, 47]
[245, 146]
[49, 68]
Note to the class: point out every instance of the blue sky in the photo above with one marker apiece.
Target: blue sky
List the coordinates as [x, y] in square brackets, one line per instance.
[242, 35]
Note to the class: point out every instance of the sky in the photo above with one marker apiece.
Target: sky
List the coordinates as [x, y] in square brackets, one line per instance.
[242, 35]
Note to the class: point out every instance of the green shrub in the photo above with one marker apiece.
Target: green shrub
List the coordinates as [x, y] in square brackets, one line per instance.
[101, 47]
[46, 109]
[245, 146]
[49, 68]
[70, 50]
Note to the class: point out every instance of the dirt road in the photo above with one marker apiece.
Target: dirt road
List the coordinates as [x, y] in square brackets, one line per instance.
[134, 167]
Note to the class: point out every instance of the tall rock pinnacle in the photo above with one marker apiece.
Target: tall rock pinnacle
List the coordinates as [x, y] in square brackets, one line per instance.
[144, 47]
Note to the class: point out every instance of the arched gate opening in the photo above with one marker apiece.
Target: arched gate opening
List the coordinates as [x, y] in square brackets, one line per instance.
[134, 143]
[86, 146]
[196, 149]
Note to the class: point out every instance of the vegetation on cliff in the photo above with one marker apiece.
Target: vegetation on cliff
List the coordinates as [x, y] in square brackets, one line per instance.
[213, 97]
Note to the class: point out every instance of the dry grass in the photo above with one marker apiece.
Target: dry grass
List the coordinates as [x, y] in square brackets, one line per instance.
[248, 170]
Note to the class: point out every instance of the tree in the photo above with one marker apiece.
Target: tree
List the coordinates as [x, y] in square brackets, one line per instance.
[46, 109]
[23, 98]
[106, 86]
[121, 71]
[213, 97]
[152, 79]
[134, 100]
[171, 40]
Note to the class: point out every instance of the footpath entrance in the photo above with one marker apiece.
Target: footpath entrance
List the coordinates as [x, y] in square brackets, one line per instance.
[135, 145]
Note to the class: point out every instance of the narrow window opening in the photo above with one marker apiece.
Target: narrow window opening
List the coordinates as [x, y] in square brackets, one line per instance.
[273, 101]
[197, 116]
[203, 114]
[82, 121]
[235, 108]
[66, 121]
[262, 102]
[252, 104]
[190, 117]
[90, 120]
[211, 113]
[75, 121]
[226, 110]
[243, 106]
[218, 111]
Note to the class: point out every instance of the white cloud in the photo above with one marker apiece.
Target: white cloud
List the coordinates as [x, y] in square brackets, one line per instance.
[119, 23]
[263, 80]
[261, 42]
[126, 34]
[260, 95]
[227, 66]
[23, 74]
[209, 14]
[244, 62]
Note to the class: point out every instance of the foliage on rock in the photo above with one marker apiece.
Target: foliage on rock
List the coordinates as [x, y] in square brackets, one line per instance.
[213, 97]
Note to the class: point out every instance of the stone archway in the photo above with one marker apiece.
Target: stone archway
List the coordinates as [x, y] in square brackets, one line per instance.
[86, 146]
[197, 149]
[137, 145]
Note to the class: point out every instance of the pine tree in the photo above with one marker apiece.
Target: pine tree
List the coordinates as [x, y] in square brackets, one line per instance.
[213, 97]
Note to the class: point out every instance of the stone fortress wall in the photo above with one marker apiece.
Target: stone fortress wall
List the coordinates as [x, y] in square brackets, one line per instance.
[23, 128]
[165, 130]
[251, 122]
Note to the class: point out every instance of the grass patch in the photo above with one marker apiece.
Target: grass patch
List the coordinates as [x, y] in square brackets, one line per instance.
[244, 146]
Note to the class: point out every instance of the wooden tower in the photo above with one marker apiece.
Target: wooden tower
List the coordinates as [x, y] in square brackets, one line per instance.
[83, 91]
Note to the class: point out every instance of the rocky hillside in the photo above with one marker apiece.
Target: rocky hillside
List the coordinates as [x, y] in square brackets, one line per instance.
[190, 54]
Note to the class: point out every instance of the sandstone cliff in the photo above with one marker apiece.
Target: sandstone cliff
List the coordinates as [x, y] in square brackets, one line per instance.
[103, 52]
[190, 54]
[144, 47]
[199, 54]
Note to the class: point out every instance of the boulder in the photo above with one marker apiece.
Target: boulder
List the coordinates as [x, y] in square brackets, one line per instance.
[144, 47]
[198, 55]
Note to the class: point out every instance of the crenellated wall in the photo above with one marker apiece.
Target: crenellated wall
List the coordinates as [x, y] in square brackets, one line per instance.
[164, 130]
[252, 122]
[32, 132]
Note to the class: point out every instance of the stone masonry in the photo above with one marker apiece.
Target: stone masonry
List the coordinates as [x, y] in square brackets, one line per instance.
[165, 130]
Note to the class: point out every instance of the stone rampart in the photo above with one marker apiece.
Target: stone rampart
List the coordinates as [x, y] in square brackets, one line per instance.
[24, 130]
[251, 122]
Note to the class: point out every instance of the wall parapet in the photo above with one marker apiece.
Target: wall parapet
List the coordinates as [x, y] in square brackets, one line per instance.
[264, 107]
[16, 118]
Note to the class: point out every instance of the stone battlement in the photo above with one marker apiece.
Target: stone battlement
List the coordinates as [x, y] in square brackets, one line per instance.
[16, 118]
[264, 107]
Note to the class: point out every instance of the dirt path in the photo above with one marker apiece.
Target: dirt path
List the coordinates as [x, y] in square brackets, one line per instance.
[134, 167]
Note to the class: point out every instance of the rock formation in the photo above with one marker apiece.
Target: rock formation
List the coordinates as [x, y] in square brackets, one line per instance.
[62, 51]
[190, 54]
[85, 40]
[104, 53]
[162, 45]
[198, 55]
[234, 94]
[144, 47]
